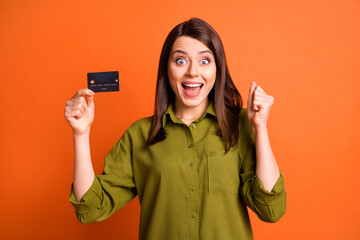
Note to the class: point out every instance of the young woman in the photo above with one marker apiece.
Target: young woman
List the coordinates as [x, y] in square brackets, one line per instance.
[197, 162]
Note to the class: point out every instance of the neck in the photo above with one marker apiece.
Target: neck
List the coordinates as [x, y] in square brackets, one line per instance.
[189, 114]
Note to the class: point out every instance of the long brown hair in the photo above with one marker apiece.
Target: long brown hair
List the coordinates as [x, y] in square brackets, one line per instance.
[226, 98]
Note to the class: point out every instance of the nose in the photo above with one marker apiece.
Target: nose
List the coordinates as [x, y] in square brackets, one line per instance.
[192, 70]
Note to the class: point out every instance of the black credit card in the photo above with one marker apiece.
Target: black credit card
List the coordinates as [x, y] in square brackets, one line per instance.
[103, 81]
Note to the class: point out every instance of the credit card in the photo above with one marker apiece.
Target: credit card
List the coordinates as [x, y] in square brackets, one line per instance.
[103, 81]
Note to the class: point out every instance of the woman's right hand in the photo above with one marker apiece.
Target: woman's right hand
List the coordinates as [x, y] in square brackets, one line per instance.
[79, 111]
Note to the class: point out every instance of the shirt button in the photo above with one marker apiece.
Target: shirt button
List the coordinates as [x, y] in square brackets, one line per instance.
[191, 145]
[193, 125]
[192, 189]
[194, 215]
[191, 164]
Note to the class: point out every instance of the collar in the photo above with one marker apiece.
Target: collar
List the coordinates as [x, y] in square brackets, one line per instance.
[169, 114]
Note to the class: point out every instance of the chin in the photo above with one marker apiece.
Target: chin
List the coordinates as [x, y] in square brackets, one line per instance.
[193, 102]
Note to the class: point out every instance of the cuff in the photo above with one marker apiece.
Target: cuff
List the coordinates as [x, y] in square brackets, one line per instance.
[265, 197]
[90, 200]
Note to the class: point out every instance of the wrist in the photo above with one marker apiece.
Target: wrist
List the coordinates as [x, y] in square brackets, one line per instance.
[80, 135]
[259, 129]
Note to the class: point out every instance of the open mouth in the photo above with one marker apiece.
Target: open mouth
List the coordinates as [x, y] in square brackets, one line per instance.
[192, 89]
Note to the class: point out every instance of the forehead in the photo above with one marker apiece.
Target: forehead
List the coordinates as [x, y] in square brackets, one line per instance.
[188, 44]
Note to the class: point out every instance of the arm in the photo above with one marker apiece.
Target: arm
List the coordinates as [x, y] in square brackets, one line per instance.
[111, 190]
[259, 105]
[263, 187]
[269, 206]
[95, 198]
[80, 114]
[83, 168]
[267, 169]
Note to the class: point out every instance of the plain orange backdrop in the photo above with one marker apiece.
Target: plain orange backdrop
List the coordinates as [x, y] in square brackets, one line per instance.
[304, 53]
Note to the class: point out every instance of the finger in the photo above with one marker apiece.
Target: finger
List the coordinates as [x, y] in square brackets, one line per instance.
[76, 114]
[82, 92]
[269, 99]
[81, 103]
[69, 115]
[76, 102]
[263, 96]
[82, 109]
[260, 89]
[259, 92]
[255, 106]
[262, 102]
[76, 105]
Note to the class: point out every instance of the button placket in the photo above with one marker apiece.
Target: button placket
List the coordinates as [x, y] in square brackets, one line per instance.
[193, 180]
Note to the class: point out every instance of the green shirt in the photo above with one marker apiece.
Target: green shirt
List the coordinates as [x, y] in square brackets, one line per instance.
[187, 186]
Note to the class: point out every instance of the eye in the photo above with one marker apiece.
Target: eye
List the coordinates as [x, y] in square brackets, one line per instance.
[180, 61]
[205, 61]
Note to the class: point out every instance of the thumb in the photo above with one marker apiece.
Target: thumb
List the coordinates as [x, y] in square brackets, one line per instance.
[251, 94]
[252, 89]
[90, 100]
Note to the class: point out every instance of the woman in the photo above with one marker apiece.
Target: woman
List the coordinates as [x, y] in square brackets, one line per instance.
[197, 163]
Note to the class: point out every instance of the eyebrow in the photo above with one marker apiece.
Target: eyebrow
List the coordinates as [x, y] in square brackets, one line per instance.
[183, 52]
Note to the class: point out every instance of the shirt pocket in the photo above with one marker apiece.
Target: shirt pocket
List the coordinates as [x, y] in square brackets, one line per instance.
[223, 172]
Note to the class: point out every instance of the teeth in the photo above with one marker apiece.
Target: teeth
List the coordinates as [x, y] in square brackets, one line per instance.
[193, 85]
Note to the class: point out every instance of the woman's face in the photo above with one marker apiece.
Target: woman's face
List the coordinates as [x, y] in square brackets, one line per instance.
[191, 72]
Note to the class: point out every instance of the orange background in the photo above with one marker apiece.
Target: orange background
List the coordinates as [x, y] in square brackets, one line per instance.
[304, 53]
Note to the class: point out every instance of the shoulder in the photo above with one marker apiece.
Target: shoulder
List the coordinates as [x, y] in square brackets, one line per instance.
[244, 124]
[245, 132]
[142, 123]
[139, 129]
[134, 136]
[243, 114]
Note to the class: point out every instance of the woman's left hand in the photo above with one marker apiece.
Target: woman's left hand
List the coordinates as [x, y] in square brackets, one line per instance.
[258, 106]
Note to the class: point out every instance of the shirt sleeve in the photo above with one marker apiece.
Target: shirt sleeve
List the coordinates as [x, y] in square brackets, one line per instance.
[111, 190]
[269, 206]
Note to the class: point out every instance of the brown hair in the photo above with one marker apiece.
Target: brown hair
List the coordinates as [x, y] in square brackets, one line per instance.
[226, 98]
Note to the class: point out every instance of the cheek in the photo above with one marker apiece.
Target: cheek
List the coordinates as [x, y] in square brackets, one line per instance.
[210, 75]
[172, 80]
[169, 73]
[174, 73]
[173, 84]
